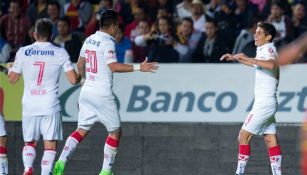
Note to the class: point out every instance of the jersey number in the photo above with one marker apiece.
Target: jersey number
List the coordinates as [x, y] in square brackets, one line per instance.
[41, 66]
[91, 61]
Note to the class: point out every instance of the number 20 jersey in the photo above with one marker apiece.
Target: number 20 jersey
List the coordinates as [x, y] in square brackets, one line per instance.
[40, 64]
[98, 51]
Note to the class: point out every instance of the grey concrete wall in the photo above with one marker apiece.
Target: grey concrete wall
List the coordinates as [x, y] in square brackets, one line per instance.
[166, 149]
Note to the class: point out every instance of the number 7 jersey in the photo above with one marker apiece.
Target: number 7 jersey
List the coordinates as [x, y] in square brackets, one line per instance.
[40, 64]
[98, 51]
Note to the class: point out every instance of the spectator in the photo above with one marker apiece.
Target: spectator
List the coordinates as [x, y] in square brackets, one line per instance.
[123, 47]
[138, 15]
[54, 15]
[140, 43]
[198, 15]
[210, 46]
[15, 26]
[245, 11]
[79, 13]
[68, 40]
[163, 12]
[184, 9]
[260, 4]
[92, 26]
[282, 23]
[299, 19]
[5, 48]
[186, 40]
[213, 8]
[161, 49]
[38, 9]
[246, 36]
[126, 10]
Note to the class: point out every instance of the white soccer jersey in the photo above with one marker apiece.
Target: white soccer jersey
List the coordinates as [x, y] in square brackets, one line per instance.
[40, 64]
[99, 51]
[266, 81]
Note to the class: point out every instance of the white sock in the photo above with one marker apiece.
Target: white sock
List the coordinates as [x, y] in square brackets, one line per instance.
[28, 156]
[243, 156]
[275, 159]
[242, 162]
[109, 157]
[70, 146]
[3, 164]
[47, 162]
[276, 164]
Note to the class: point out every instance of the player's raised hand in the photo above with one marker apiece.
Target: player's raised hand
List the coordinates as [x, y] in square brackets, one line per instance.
[10, 65]
[240, 56]
[149, 67]
[227, 57]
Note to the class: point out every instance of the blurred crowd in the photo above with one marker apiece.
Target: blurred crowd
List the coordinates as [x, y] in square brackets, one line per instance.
[167, 31]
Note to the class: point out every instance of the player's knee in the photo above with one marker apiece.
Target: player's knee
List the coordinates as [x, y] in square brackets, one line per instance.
[270, 140]
[116, 134]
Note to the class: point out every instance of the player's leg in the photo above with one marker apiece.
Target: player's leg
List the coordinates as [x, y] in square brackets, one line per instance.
[51, 130]
[3, 149]
[244, 150]
[70, 145]
[110, 151]
[31, 133]
[274, 153]
[109, 116]
[48, 157]
[86, 120]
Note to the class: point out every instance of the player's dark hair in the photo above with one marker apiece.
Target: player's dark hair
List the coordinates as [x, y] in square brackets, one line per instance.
[268, 29]
[43, 28]
[55, 3]
[107, 18]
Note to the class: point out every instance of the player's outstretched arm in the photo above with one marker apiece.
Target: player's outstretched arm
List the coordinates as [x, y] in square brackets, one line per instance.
[266, 64]
[143, 67]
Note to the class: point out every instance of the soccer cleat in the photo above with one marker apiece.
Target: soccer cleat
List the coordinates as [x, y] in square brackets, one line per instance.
[105, 172]
[28, 172]
[59, 168]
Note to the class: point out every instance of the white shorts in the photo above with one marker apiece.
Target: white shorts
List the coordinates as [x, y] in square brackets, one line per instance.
[49, 126]
[2, 126]
[261, 119]
[94, 108]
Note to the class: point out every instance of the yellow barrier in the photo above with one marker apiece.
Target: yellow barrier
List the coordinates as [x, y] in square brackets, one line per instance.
[11, 99]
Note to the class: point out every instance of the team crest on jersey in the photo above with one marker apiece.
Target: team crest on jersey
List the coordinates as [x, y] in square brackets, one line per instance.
[270, 50]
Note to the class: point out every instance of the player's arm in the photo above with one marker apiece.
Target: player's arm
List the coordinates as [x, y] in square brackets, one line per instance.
[143, 67]
[72, 77]
[70, 72]
[15, 68]
[242, 58]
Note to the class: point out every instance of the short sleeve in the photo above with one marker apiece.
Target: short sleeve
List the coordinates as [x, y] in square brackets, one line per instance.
[110, 52]
[17, 67]
[66, 63]
[270, 53]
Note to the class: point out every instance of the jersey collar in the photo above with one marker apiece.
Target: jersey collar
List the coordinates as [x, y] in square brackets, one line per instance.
[105, 35]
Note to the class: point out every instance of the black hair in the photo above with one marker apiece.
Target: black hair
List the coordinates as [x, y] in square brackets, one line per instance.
[188, 19]
[279, 4]
[268, 29]
[107, 18]
[65, 19]
[43, 28]
[55, 3]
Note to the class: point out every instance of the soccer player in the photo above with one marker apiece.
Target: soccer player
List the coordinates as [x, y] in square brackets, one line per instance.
[40, 64]
[261, 119]
[96, 102]
[3, 150]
